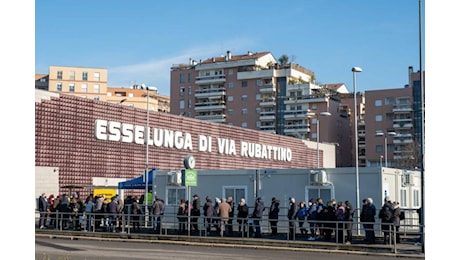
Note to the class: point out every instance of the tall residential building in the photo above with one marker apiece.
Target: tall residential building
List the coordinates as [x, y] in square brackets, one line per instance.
[92, 83]
[393, 125]
[255, 91]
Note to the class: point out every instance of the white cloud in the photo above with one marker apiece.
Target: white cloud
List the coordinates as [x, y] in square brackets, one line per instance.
[156, 72]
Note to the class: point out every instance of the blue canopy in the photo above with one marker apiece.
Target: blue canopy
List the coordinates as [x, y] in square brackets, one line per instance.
[137, 183]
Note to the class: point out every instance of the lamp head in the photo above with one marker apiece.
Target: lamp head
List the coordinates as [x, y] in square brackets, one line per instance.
[356, 69]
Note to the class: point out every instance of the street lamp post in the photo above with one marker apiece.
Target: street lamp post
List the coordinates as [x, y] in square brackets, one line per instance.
[146, 136]
[356, 70]
[386, 143]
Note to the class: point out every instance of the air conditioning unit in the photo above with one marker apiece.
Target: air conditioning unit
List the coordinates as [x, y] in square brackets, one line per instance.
[175, 178]
[318, 177]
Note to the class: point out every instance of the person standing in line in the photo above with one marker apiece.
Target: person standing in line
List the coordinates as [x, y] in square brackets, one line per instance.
[292, 215]
[367, 217]
[301, 215]
[329, 214]
[195, 212]
[349, 214]
[136, 211]
[90, 207]
[158, 211]
[223, 210]
[43, 210]
[397, 220]
[181, 218]
[242, 217]
[208, 214]
[257, 215]
[231, 215]
[340, 215]
[273, 215]
[386, 219]
[312, 214]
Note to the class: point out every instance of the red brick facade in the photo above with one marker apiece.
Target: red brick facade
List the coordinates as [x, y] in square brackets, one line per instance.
[65, 138]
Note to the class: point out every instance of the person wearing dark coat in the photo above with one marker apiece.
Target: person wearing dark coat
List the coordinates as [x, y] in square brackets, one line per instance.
[397, 220]
[349, 214]
[367, 217]
[195, 212]
[257, 216]
[292, 215]
[273, 215]
[242, 217]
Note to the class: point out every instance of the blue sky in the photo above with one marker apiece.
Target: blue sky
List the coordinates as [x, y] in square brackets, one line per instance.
[138, 41]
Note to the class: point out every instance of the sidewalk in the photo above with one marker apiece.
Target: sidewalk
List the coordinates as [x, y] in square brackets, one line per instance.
[406, 248]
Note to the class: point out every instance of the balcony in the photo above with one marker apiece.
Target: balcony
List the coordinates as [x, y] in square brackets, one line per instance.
[200, 80]
[296, 115]
[210, 106]
[401, 109]
[210, 93]
[268, 102]
[267, 89]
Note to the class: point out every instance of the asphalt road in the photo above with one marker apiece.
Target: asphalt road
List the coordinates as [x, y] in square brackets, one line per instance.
[56, 248]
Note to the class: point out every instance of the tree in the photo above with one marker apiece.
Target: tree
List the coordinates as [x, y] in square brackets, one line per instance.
[283, 60]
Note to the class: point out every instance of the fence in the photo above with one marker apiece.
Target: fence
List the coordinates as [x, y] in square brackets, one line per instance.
[168, 224]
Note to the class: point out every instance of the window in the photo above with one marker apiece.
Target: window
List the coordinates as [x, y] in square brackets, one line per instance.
[390, 101]
[59, 74]
[314, 106]
[244, 125]
[97, 76]
[230, 112]
[259, 83]
[244, 98]
[96, 98]
[258, 110]
[230, 72]
[182, 78]
[258, 124]
[403, 198]
[379, 148]
[230, 98]
[378, 118]
[71, 87]
[416, 198]
[230, 85]
[378, 103]
[236, 192]
[181, 104]
[175, 194]
[59, 86]
[72, 75]
[84, 75]
[244, 111]
[189, 103]
[189, 77]
[43, 80]
[258, 97]
[84, 88]
[189, 90]
[244, 83]
[182, 91]
[96, 88]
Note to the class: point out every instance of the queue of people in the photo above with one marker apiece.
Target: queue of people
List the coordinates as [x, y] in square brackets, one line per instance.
[314, 219]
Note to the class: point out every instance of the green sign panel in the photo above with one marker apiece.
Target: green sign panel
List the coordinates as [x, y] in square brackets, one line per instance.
[191, 177]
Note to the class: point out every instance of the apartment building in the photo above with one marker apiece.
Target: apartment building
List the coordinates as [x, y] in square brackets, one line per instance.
[255, 91]
[92, 83]
[84, 82]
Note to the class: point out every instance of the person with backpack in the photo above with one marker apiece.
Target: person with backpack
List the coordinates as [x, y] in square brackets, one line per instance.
[386, 219]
